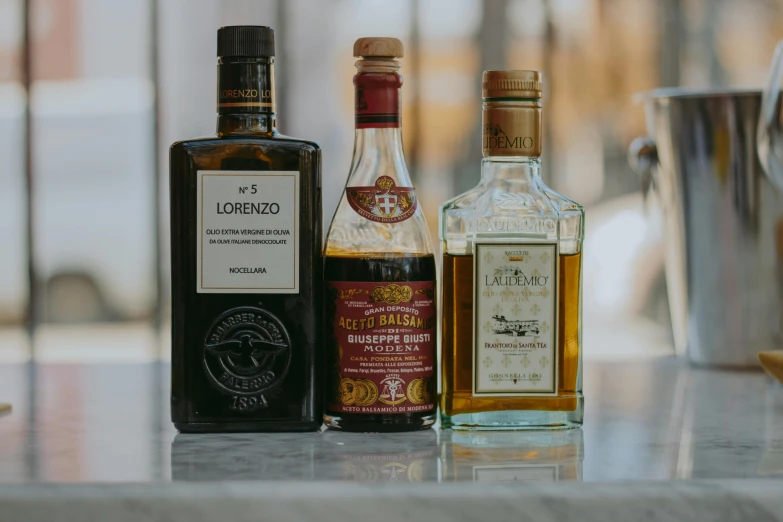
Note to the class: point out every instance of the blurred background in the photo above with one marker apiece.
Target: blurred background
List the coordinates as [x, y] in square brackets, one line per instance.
[92, 93]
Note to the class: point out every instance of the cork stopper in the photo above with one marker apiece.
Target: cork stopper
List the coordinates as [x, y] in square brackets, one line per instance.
[378, 47]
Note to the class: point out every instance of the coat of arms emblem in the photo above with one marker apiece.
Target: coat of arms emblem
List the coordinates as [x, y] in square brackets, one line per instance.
[384, 202]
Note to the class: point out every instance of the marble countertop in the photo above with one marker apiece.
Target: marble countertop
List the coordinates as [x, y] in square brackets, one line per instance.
[97, 439]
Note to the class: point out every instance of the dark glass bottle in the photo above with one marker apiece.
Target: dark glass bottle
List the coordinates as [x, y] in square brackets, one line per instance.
[246, 259]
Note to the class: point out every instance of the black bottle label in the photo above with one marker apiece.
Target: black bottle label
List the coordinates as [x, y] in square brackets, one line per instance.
[247, 352]
[248, 232]
[246, 87]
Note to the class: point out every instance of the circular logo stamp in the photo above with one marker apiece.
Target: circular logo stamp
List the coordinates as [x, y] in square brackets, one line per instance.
[393, 390]
[247, 351]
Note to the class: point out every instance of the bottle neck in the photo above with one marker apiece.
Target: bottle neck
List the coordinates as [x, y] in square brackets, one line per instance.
[518, 171]
[511, 127]
[376, 152]
[511, 142]
[246, 95]
[378, 139]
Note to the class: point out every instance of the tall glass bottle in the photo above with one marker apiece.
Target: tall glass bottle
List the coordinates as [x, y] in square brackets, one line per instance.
[379, 270]
[511, 322]
[246, 259]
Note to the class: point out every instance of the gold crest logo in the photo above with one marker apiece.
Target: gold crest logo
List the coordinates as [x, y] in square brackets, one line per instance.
[391, 294]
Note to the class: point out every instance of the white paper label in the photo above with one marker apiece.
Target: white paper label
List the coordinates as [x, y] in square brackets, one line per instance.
[248, 232]
[515, 319]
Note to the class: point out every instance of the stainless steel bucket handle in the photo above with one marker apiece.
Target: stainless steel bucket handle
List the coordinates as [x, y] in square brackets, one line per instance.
[769, 135]
[643, 157]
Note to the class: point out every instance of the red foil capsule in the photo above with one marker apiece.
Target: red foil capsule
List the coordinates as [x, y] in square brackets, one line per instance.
[377, 100]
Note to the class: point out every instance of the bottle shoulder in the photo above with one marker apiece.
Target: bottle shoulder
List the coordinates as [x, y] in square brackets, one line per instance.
[561, 202]
[308, 144]
[494, 199]
[185, 144]
[463, 201]
[515, 209]
[246, 153]
[352, 232]
[279, 141]
[498, 198]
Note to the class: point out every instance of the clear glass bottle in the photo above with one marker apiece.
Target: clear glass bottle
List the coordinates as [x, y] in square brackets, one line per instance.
[379, 270]
[511, 321]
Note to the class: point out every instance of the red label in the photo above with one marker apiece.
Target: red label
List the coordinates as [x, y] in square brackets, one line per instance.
[384, 202]
[385, 353]
[377, 100]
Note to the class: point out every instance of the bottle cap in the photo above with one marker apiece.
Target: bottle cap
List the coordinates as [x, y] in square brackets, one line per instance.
[246, 40]
[378, 47]
[512, 84]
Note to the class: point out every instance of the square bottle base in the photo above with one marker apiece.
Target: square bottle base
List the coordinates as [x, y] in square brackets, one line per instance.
[380, 423]
[246, 427]
[516, 419]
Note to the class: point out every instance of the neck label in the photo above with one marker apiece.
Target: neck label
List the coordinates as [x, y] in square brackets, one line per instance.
[511, 131]
[246, 88]
[377, 100]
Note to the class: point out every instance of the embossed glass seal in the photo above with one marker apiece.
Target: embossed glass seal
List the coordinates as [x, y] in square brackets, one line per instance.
[247, 351]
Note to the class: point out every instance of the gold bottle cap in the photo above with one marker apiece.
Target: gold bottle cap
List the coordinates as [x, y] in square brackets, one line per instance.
[512, 84]
[378, 47]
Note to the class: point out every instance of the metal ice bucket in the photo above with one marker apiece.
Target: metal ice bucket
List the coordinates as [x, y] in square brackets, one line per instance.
[723, 220]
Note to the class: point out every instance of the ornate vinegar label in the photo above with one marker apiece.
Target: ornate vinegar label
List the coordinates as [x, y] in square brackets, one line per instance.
[515, 319]
[384, 357]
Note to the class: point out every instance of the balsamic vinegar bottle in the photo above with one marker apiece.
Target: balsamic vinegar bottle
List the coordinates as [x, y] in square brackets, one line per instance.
[379, 270]
[246, 259]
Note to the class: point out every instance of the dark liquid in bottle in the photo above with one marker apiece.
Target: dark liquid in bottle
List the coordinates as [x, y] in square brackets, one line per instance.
[204, 398]
[389, 269]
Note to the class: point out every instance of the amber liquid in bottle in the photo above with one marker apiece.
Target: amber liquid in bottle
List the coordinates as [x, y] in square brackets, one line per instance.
[457, 341]
[511, 314]
[245, 361]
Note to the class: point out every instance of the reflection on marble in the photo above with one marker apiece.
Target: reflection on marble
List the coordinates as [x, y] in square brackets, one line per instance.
[425, 456]
[516, 457]
[647, 420]
[379, 458]
[771, 463]
[313, 456]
